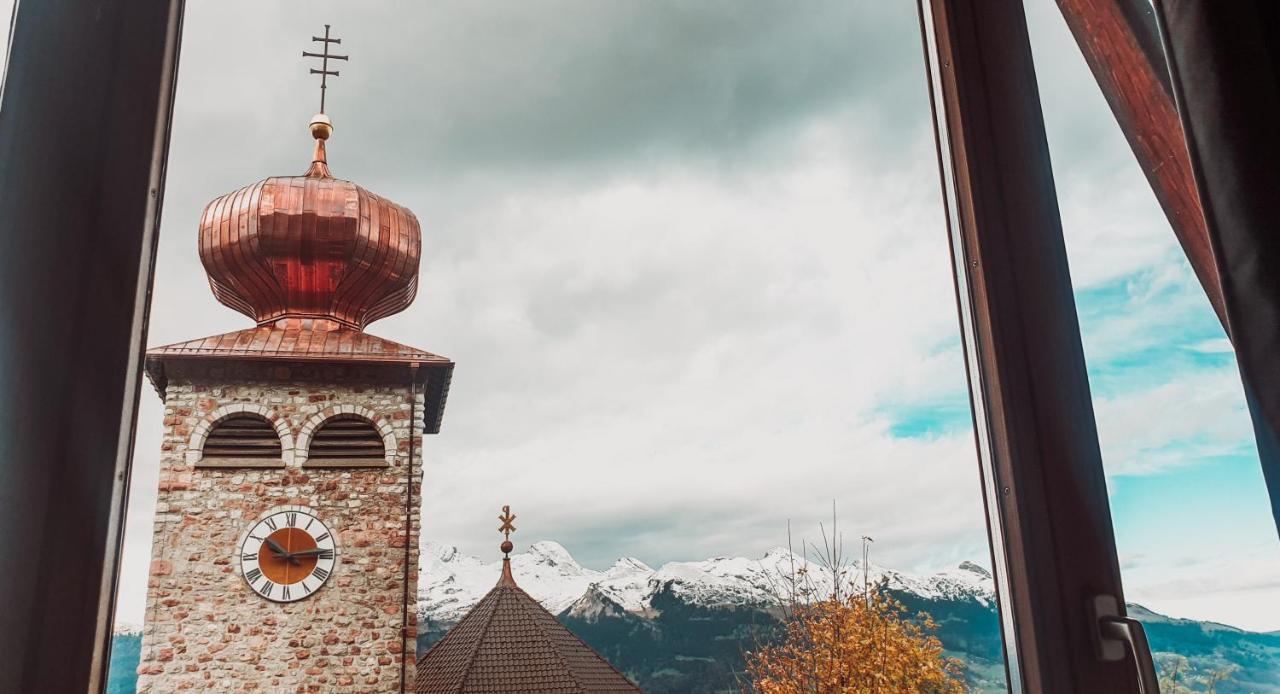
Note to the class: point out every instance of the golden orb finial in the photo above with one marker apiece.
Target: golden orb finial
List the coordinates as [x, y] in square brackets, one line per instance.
[321, 126]
[321, 129]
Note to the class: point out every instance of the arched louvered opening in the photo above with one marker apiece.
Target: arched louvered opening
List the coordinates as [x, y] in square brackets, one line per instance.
[242, 440]
[346, 441]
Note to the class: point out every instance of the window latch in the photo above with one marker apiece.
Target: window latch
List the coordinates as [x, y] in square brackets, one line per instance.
[1114, 634]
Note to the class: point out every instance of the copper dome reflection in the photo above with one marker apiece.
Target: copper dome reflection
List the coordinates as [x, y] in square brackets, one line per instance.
[311, 246]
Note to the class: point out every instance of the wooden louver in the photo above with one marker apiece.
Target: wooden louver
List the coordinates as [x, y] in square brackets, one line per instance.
[242, 436]
[347, 437]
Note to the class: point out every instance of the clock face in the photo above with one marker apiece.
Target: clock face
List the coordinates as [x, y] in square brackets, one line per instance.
[287, 555]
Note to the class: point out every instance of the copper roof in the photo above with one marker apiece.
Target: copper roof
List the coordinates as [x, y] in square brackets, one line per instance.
[299, 339]
[310, 340]
[510, 643]
[311, 246]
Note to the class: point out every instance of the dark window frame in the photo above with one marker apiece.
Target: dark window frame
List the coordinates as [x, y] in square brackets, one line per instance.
[87, 128]
[1048, 514]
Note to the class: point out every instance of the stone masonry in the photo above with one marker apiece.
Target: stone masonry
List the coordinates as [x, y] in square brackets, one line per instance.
[205, 628]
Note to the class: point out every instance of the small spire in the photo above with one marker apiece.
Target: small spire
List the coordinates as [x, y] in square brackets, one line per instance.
[321, 126]
[321, 129]
[506, 529]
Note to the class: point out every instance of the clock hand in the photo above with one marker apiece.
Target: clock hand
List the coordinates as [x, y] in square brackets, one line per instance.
[310, 552]
[281, 551]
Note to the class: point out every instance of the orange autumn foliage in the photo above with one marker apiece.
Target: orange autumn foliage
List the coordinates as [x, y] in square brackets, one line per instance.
[854, 643]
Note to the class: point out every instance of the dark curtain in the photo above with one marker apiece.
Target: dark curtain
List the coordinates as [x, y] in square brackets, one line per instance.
[1225, 59]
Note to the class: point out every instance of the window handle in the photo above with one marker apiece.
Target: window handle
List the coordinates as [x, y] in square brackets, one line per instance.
[1115, 634]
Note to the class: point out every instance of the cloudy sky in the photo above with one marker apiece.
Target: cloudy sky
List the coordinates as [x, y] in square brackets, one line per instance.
[689, 258]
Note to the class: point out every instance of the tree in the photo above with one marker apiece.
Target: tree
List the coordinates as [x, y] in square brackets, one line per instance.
[1178, 676]
[839, 636]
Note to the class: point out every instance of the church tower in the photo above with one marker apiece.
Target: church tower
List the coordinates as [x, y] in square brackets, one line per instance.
[285, 550]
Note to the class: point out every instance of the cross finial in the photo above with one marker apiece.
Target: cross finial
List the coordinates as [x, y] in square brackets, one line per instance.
[507, 528]
[325, 56]
[508, 519]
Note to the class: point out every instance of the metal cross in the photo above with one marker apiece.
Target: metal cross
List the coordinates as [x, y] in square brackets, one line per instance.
[507, 518]
[325, 57]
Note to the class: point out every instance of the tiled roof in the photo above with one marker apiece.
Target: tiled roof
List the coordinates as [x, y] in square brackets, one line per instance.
[509, 643]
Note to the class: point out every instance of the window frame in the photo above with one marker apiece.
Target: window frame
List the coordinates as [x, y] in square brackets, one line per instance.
[1048, 515]
[84, 135]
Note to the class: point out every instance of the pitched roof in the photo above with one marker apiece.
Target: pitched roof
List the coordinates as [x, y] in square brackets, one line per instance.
[296, 339]
[310, 340]
[510, 643]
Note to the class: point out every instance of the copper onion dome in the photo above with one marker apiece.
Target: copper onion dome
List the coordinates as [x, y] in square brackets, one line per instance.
[311, 246]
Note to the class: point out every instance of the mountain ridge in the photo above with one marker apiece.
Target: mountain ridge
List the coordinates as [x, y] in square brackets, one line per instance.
[685, 626]
[452, 582]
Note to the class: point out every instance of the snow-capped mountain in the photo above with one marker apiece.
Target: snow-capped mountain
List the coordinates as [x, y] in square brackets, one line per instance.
[683, 627]
[452, 582]
[127, 629]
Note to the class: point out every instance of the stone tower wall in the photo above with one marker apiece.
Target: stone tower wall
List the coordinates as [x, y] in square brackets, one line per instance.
[205, 628]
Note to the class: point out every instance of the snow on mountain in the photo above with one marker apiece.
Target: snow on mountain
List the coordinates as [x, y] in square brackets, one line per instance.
[627, 584]
[452, 582]
[593, 605]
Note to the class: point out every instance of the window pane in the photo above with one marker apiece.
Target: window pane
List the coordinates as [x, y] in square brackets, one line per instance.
[7, 8]
[691, 262]
[1193, 527]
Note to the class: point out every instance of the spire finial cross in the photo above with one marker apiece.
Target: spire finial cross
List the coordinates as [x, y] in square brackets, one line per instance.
[325, 56]
[507, 519]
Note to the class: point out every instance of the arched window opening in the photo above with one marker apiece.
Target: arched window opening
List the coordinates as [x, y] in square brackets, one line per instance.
[347, 440]
[247, 439]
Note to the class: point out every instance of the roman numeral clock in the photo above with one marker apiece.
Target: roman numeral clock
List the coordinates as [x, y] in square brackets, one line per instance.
[287, 555]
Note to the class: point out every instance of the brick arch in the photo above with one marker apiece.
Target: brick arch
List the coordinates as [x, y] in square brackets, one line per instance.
[195, 445]
[303, 444]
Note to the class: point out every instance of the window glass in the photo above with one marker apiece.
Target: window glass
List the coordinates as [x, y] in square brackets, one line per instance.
[691, 262]
[1197, 543]
[7, 11]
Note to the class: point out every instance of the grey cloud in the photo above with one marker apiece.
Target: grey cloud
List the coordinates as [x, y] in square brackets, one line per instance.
[456, 87]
